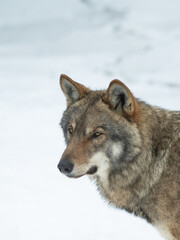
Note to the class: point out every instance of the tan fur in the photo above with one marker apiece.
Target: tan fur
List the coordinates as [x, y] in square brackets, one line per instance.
[148, 182]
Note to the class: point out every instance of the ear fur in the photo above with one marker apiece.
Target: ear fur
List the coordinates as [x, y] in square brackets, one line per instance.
[120, 98]
[72, 90]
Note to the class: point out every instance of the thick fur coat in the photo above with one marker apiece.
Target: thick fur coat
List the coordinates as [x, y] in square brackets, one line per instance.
[129, 148]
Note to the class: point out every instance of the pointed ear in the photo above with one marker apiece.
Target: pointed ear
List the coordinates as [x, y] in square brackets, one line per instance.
[120, 98]
[72, 90]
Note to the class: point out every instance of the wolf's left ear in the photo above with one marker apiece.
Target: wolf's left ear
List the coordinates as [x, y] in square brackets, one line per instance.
[120, 98]
[72, 90]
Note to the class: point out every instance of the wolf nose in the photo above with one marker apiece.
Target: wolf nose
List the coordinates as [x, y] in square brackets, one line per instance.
[65, 166]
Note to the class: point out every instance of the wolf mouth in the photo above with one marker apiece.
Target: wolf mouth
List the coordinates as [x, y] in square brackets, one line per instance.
[92, 170]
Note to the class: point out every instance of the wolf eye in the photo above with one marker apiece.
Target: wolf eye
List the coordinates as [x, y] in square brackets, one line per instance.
[70, 130]
[96, 134]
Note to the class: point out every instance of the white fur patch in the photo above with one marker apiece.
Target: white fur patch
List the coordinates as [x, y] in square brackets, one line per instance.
[100, 160]
[88, 130]
[117, 149]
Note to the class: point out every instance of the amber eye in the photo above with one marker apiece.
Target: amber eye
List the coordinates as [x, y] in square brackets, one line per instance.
[70, 130]
[96, 134]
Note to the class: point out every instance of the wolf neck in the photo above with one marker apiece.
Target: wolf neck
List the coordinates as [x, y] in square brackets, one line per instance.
[134, 187]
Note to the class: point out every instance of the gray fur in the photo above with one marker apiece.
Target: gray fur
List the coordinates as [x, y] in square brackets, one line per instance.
[144, 178]
[70, 91]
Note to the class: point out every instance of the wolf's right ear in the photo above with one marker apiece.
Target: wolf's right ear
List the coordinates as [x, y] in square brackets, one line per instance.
[72, 90]
[119, 98]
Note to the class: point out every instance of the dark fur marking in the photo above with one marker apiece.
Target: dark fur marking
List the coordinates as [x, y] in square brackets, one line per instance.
[143, 214]
[69, 90]
[120, 100]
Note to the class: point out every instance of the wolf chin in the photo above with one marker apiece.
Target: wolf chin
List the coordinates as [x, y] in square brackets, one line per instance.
[129, 148]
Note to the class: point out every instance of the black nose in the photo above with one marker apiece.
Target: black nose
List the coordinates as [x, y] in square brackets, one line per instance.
[65, 166]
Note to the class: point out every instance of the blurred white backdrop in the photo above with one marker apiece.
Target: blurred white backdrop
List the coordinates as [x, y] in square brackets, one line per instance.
[93, 42]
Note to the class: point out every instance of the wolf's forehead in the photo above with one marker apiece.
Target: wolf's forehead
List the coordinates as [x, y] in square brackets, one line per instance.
[89, 114]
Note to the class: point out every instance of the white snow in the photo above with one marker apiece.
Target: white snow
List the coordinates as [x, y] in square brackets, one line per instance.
[93, 42]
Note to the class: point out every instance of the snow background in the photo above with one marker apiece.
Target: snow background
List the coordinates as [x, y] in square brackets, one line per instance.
[93, 42]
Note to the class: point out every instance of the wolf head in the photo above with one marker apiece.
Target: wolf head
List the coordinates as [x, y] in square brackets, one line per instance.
[100, 129]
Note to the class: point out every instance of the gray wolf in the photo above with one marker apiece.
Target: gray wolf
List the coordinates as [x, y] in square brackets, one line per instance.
[129, 148]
